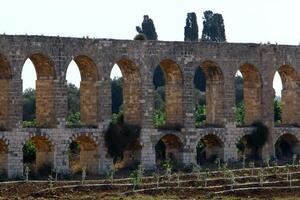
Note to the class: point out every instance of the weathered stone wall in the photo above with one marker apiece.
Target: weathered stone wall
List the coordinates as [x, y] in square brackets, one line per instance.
[137, 60]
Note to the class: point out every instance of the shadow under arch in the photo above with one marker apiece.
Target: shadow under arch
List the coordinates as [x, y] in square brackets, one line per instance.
[286, 146]
[3, 158]
[169, 147]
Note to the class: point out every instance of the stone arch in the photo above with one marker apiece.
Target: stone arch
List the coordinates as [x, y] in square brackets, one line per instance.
[252, 93]
[169, 146]
[210, 146]
[243, 148]
[173, 91]
[43, 161]
[214, 92]
[5, 77]
[287, 145]
[131, 90]
[88, 90]
[45, 89]
[289, 94]
[84, 154]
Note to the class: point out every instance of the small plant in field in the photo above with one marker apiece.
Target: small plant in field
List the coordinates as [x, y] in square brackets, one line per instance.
[55, 171]
[50, 181]
[208, 173]
[252, 166]
[27, 170]
[196, 169]
[177, 177]
[157, 178]
[205, 177]
[232, 179]
[287, 171]
[111, 173]
[168, 169]
[141, 171]
[244, 161]
[219, 163]
[294, 159]
[83, 174]
[135, 178]
[267, 161]
[261, 176]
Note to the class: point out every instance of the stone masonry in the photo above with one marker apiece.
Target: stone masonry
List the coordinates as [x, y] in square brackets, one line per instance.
[137, 61]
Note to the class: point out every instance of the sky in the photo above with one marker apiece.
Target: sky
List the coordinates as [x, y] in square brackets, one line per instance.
[257, 21]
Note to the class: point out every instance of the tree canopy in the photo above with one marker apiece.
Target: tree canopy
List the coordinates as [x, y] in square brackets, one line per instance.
[213, 27]
[148, 28]
[191, 28]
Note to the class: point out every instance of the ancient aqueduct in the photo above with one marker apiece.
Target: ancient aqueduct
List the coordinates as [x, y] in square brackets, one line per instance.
[137, 61]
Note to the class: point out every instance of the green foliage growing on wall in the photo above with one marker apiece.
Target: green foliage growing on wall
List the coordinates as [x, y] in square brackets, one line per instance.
[29, 152]
[118, 136]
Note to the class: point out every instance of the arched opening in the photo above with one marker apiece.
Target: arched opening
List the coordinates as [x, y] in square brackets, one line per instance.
[168, 83]
[244, 148]
[3, 158]
[252, 88]
[239, 98]
[200, 107]
[169, 147]
[38, 155]
[5, 77]
[84, 152]
[41, 97]
[214, 93]
[286, 146]
[286, 104]
[82, 92]
[126, 107]
[209, 148]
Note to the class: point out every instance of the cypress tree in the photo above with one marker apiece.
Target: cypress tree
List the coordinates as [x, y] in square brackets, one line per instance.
[191, 28]
[213, 27]
[147, 28]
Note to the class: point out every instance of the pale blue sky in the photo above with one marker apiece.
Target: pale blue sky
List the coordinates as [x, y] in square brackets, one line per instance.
[275, 21]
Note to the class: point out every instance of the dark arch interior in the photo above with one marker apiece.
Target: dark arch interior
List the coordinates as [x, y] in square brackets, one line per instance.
[209, 148]
[169, 147]
[286, 146]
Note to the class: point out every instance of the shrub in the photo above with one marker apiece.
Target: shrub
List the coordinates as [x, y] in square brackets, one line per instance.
[258, 138]
[118, 136]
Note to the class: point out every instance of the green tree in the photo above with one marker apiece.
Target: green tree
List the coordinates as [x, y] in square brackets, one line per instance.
[277, 111]
[147, 28]
[191, 27]
[200, 115]
[29, 104]
[116, 94]
[73, 99]
[29, 152]
[239, 89]
[240, 113]
[213, 27]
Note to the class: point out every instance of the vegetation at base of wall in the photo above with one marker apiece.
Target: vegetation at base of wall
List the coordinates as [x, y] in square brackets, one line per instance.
[118, 136]
[159, 118]
[29, 124]
[73, 119]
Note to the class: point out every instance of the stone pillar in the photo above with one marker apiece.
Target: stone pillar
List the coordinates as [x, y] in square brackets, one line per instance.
[148, 150]
[4, 103]
[290, 105]
[61, 102]
[147, 94]
[15, 104]
[104, 96]
[229, 95]
[214, 101]
[268, 100]
[105, 162]
[15, 156]
[189, 99]
[61, 157]
[45, 113]
[89, 102]
[230, 149]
